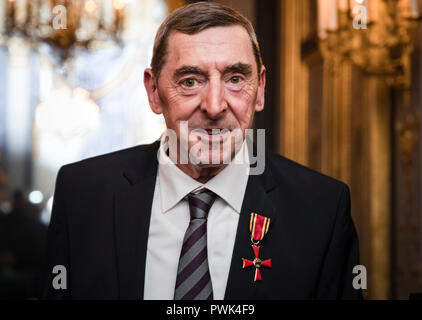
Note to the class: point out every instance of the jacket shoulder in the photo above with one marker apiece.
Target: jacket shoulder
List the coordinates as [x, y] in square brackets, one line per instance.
[300, 177]
[116, 159]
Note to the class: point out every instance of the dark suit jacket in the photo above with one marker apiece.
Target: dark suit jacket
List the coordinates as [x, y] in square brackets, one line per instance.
[100, 222]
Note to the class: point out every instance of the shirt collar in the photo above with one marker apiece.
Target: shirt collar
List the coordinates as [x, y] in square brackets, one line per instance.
[229, 184]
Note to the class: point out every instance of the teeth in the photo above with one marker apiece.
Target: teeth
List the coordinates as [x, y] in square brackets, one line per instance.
[217, 132]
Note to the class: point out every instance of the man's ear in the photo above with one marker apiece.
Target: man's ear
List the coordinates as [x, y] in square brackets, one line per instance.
[260, 97]
[152, 92]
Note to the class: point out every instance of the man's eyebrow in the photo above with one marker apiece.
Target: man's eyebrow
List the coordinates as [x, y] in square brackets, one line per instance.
[184, 70]
[239, 67]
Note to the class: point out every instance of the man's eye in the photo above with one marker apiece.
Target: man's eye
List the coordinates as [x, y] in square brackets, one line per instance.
[189, 82]
[235, 79]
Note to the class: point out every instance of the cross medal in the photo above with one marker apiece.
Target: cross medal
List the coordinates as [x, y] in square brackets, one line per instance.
[258, 227]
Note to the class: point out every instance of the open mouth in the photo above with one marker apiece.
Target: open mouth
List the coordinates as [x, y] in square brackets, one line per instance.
[217, 131]
[212, 134]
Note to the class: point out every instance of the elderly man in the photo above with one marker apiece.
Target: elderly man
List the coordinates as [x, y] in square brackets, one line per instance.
[188, 217]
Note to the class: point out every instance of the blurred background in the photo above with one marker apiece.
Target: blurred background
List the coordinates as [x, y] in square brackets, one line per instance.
[344, 93]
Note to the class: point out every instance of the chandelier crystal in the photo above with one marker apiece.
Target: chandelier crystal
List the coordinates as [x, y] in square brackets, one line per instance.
[64, 24]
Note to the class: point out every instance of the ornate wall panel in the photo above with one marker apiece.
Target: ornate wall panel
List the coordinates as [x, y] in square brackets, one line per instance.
[407, 205]
[293, 127]
[340, 123]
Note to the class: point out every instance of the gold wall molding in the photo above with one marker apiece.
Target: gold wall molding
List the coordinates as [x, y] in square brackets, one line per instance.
[294, 75]
[354, 128]
[336, 118]
[337, 140]
[377, 96]
[408, 132]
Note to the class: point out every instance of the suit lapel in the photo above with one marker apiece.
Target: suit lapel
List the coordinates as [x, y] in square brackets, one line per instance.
[132, 212]
[240, 284]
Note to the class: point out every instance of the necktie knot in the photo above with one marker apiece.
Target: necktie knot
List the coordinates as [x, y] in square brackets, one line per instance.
[200, 203]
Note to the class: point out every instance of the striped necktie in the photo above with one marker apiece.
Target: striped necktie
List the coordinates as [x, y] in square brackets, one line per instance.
[193, 280]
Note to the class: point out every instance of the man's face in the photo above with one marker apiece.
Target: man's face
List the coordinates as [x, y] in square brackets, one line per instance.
[210, 80]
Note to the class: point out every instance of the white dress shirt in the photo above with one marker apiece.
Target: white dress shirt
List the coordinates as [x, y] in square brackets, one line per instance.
[170, 218]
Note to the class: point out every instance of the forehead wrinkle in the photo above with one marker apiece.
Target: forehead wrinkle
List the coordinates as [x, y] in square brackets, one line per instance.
[209, 36]
[212, 57]
[181, 41]
[212, 53]
[179, 47]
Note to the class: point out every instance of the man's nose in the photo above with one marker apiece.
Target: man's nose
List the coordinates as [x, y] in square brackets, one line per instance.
[214, 103]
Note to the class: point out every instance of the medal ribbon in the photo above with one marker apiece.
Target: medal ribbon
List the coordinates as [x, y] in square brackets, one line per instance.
[258, 227]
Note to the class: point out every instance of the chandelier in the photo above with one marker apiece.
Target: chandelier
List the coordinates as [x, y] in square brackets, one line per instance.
[67, 114]
[376, 35]
[63, 24]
